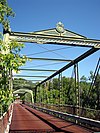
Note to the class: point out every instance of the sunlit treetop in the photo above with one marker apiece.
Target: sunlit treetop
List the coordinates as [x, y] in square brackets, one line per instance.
[5, 13]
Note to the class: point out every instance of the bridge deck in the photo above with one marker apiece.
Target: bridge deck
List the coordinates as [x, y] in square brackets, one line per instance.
[28, 120]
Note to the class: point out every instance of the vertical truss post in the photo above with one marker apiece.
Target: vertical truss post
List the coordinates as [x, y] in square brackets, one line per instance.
[40, 94]
[35, 95]
[43, 97]
[61, 92]
[50, 90]
[47, 89]
[60, 86]
[77, 88]
[75, 84]
[53, 95]
[50, 101]
[32, 100]
[98, 97]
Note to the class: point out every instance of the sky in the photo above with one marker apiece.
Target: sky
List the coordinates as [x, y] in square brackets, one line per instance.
[79, 16]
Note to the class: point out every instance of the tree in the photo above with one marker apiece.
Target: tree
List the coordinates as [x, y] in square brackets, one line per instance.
[90, 93]
[8, 62]
[20, 83]
[10, 58]
[5, 13]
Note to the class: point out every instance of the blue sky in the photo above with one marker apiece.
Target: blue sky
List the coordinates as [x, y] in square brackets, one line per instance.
[80, 16]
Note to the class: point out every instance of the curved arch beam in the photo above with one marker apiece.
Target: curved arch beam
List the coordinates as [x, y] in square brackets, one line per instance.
[24, 90]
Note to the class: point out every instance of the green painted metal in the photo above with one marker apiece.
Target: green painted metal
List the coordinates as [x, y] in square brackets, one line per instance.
[30, 76]
[43, 70]
[23, 91]
[78, 59]
[52, 36]
[49, 59]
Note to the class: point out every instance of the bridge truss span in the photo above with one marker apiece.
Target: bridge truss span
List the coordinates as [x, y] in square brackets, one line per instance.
[62, 37]
[53, 39]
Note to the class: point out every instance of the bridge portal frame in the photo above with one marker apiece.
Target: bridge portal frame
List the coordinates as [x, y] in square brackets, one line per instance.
[58, 36]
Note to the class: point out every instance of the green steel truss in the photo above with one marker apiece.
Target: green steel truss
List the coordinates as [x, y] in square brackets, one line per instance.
[48, 39]
[52, 36]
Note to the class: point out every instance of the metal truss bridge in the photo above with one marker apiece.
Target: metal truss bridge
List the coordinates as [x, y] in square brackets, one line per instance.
[38, 116]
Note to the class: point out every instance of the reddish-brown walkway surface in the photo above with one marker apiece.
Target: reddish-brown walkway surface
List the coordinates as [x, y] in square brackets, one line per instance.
[28, 120]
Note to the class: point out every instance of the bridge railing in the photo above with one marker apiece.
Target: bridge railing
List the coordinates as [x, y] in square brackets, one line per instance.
[83, 121]
[4, 120]
[75, 110]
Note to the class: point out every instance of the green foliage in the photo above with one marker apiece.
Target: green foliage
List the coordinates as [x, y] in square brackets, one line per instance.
[83, 79]
[28, 97]
[19, 83]
[90, 95]
[8, 62]
[51, 93]
[10, 58]
[5, 12]
[23, 84]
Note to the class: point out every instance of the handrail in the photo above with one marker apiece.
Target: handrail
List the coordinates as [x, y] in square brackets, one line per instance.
[6, 120]
[71, 109]
[70, 117]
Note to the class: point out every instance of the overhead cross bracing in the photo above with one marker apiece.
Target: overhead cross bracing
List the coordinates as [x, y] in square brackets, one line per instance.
[57, 36]
[86, 54]
[41, 70]
[49, 59]
[30, 76]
